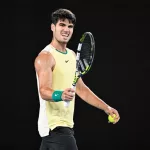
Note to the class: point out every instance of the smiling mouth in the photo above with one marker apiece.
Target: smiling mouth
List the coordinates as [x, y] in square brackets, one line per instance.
[65, 35]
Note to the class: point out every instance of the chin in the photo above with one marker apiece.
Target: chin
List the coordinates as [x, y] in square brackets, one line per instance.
[64, 42]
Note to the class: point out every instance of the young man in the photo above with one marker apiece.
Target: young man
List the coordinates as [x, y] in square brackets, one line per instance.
[55, 68]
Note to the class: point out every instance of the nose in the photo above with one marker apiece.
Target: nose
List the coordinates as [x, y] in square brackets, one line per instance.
[66, 28]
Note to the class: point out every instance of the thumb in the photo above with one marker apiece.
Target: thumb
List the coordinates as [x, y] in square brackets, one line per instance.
[72, 90]
[111, 114]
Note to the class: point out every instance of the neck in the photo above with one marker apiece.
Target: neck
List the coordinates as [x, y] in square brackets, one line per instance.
[59, 46]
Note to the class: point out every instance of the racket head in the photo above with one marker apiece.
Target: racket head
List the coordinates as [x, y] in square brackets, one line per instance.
[85, 55]
[86, 51]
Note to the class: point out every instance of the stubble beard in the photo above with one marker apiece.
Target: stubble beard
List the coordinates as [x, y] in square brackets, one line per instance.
[62, 42]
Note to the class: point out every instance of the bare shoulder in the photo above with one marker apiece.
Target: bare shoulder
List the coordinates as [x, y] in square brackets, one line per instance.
[44, 60]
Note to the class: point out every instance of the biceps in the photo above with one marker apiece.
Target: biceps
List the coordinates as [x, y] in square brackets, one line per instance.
[45, 78]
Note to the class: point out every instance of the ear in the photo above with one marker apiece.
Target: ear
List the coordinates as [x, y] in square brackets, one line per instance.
[52, 27]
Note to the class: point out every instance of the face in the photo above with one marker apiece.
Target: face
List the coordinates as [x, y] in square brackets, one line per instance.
[62, 31]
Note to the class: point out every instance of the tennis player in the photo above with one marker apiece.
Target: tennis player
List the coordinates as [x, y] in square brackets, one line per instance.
[55, 67]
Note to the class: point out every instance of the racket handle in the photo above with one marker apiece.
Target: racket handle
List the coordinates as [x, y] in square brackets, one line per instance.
[66, 103]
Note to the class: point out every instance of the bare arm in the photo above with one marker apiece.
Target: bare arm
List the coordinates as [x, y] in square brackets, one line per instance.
[44, 64]
[88, 96]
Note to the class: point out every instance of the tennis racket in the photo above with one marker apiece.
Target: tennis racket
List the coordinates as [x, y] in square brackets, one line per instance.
[84, 58]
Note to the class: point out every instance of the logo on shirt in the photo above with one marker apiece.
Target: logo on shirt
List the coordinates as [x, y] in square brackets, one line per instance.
[66, 61]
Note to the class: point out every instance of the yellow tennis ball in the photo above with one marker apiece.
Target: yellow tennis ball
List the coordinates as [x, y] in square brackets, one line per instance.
[111, 119]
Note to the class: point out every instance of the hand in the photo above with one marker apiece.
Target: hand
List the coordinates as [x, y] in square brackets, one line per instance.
[68, 94]
[110, 111]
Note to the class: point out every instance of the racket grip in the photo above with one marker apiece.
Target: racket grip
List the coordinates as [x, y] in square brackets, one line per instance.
[66, 103]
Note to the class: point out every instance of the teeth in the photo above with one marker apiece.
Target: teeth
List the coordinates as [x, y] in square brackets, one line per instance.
[65, 35]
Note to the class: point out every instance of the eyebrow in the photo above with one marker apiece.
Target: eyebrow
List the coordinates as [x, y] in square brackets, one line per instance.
[62, 23]
[70, 25]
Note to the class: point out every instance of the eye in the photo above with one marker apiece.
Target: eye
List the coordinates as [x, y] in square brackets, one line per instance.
[71, 26]
[62, 24]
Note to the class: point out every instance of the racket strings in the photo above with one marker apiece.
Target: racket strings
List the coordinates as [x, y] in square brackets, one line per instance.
[85, 56]
[86, 53]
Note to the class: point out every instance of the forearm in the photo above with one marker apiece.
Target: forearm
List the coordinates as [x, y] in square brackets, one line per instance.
[46, 93]
[88, 96]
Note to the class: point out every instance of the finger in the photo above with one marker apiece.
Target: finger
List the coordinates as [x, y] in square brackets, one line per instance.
[73, 93]
[68, 97]
[70, 93]
[71, 90]
[116, 120]
[111, 114]
[116, 113]
[65, 97]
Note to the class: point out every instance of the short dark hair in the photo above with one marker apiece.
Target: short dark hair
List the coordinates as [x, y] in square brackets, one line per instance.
[62, 14]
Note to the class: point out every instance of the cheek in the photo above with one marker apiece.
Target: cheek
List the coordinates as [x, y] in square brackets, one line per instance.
[57, 32]
[71, 32]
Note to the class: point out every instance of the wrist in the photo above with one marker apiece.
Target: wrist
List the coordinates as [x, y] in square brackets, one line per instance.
[107, 108]
[56, 96]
